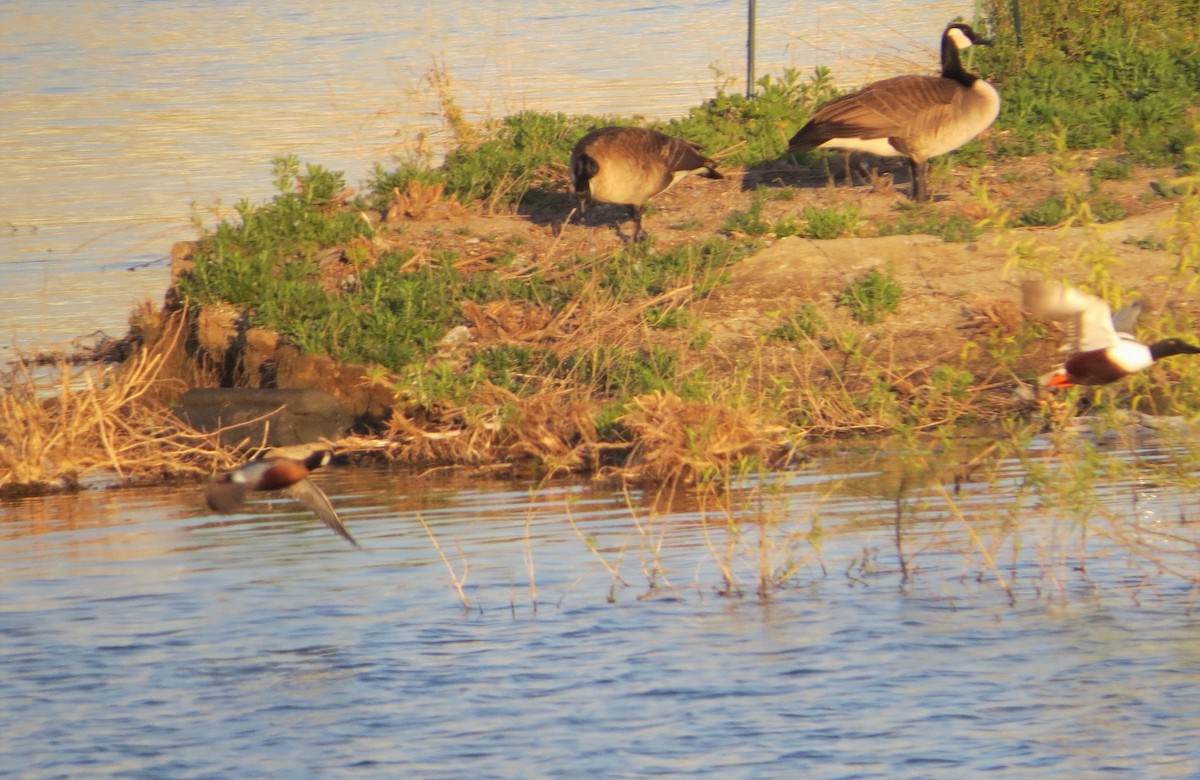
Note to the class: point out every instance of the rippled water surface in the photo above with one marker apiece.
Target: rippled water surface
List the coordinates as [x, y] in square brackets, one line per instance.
[141, 636]
[125, 120]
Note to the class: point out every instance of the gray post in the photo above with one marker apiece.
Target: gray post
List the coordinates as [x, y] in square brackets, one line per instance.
[750, 48]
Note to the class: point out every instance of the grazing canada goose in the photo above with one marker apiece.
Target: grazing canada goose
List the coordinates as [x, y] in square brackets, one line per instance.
[917, 117]
[290, 475]
[1103, 350]
[629, 165]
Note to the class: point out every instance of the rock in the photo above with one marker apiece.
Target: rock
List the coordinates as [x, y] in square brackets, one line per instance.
[276, 417]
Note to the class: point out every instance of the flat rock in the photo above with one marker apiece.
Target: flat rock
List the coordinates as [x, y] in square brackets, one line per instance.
[274, 417]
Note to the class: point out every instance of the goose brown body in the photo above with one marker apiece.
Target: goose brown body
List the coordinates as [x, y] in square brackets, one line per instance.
[229, 490]
[918, 117]
[628, 166]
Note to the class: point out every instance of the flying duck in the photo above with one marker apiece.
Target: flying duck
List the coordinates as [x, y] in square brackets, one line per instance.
[629, 165]
[1103, 351]
[917, 117]
[228, 491]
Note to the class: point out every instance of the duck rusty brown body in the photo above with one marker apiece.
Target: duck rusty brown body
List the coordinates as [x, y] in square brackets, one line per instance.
[229, 490]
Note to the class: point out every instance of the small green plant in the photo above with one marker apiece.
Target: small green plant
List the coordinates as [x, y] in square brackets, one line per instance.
[1146, 242]
[915, 218]
[805, 325]
[1055, 210]
[749, 222]
[1112, 169]
[787, 226]
[829, 223]
[870, 297]
[757, 128]
[669, 318]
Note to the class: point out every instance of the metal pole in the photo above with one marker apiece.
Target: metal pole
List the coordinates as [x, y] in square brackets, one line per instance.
[750, 24]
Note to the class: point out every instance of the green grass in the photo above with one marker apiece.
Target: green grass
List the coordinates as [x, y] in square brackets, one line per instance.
[274, 265]
[829, 223]
[919, 218]
[1106, 73]
[799, 328]
[751, 221]
[1055, 209]
[872, 296]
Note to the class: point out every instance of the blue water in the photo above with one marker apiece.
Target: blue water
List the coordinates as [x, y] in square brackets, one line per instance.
[141, 636]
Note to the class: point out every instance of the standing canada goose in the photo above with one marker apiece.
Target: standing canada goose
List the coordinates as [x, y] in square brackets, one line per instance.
[629, 165]
[1103, 351]
[290, 475]
[917, 117]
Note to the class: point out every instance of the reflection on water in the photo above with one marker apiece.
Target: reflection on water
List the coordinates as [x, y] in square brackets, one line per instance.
[143, 636]
[123, 120]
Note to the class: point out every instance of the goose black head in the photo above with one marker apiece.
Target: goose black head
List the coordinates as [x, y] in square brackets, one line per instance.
[963, 36]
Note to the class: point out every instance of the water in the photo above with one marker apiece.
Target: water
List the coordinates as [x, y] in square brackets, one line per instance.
[126, 121]
[141, 636]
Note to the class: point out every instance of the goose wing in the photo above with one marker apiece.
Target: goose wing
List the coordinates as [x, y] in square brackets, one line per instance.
[683, 155]
[883, 109]
[315, 499]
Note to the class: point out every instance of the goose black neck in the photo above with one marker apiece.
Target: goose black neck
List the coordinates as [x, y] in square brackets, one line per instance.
[952, 67]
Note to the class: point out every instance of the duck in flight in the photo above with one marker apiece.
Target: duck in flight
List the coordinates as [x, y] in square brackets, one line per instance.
[229, 490]
[1104, 350]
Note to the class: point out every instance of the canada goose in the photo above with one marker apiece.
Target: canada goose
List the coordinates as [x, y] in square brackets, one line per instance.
[229, 490]
[917, 117]
[1103, 352]
[629, 165]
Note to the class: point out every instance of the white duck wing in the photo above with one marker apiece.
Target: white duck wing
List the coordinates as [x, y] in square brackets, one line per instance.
[1091, 316]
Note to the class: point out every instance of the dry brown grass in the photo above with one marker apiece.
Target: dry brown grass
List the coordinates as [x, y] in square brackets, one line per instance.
[63, 428]
[684, 442]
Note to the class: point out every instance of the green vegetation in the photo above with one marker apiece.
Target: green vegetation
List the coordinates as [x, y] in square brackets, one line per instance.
[829, 223]
[1055, 209]
[803, 326]
[871, 296]
[919, 218]
[1105, 72]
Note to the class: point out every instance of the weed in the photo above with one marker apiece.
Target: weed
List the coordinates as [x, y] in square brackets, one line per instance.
[749, 222]
[1117, 73]
[916, 218]
[1112, 169]
[1055, 209]
[871, 296]
[755, 129]
[803, 326]
[1146, 242]
[823, 224]
[787, 226]
[668, 318]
